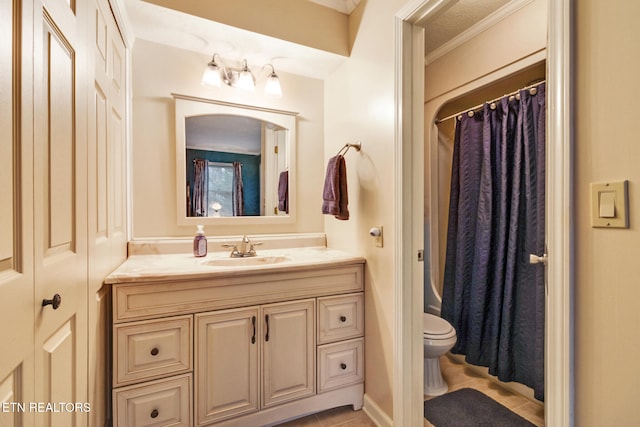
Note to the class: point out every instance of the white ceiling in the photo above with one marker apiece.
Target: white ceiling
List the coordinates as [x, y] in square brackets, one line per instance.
[344, 6]
[172, 28]
[457, 17]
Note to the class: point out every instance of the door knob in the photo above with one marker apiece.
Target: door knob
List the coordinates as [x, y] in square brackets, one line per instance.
[54, 302]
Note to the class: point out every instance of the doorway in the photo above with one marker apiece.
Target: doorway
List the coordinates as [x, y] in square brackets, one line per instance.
[410, 166]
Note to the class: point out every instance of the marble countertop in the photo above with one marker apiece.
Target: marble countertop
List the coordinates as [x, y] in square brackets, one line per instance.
[161, 267]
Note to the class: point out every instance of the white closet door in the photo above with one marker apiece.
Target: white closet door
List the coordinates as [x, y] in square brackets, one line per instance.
[107, 199]
[16, 212]
[60, 206]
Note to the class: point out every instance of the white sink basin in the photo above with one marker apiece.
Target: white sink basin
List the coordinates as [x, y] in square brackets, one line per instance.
[245, 262]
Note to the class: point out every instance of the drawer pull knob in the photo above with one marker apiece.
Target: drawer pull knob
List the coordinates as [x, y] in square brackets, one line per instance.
[155, 351]
[343, 318]
[53, 302]
[343, 366]
[266, 319]
[154, 413]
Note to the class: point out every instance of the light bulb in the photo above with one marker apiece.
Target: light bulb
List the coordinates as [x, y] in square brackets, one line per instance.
[245, 79]
[211, 76]
[272, 87]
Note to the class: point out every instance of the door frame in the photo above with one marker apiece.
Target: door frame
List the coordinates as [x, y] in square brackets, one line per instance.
[409, 142]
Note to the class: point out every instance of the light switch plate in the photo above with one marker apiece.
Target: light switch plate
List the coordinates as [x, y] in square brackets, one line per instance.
[378, 239]
[602, 213]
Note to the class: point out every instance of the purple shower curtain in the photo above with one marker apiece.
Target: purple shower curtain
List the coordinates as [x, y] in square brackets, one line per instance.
[491, 294]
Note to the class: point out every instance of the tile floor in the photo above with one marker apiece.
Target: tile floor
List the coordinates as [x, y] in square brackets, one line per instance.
[344, 416]
[457, 376]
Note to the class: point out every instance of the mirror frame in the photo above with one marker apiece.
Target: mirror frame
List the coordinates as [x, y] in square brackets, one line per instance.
[187, 106]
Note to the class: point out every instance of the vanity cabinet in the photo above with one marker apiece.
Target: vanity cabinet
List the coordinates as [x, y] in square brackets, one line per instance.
[230, 345]
[237, 349]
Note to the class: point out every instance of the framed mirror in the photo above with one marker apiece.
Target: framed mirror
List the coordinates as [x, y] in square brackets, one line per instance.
[235, 164]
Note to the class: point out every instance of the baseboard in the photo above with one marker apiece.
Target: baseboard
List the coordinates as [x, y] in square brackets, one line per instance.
[377, 415]
[521, 389]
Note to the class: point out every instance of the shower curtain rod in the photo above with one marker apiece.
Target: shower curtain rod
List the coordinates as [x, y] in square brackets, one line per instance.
[515, 92]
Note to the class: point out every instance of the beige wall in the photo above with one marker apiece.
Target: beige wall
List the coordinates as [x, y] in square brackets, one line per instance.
[519, 36]
[160, 70]
[607, 285]
[359, 105]
[301, 22]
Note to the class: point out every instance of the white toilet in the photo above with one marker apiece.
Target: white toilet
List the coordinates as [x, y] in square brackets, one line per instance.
[438, 337]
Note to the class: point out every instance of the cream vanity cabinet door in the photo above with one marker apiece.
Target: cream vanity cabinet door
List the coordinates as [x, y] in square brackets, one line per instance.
[228, 346]
[226, 380]
[288, 351]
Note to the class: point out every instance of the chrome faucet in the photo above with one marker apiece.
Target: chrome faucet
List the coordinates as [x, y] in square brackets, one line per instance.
[243, 249]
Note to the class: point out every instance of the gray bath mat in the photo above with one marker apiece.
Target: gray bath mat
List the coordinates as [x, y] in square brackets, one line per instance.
[470, 408]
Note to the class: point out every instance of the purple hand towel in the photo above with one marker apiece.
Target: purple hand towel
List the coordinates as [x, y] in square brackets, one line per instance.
[283, 192]
[334, 194]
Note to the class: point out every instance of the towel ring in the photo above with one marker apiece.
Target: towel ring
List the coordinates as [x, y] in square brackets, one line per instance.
[356, 145]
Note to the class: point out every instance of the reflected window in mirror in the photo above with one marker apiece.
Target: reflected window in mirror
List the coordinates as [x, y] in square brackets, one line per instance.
[210, 187]
[220, 184]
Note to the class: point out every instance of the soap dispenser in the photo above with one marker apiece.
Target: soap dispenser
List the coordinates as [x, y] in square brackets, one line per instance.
[200, 243]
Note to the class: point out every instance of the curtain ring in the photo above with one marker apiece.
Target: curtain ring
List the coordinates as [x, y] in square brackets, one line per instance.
[492, 106]
[533, 91]
[470, 113]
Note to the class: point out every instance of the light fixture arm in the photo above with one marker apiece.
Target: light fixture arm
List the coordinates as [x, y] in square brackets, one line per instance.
[273, 70]
[226, 75]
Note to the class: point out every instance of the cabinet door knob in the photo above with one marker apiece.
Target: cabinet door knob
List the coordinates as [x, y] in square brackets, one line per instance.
[343, 318]
[53, 302]
[343, 366]
[155, 351]
[155, 413]
[253, 337]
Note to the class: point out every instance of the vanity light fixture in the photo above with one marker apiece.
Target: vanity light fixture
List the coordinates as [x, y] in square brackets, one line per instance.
[217, 73]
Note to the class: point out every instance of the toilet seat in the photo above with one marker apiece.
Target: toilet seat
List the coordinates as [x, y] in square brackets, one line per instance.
[434, 327]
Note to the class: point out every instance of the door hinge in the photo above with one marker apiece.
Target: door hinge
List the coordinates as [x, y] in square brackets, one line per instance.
[275, 149]
[420, 255]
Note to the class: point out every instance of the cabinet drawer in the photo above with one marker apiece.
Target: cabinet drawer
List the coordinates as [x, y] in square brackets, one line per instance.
[150, 349]
[340, 364]
[240, 289]
[158, 403]
[340, 318]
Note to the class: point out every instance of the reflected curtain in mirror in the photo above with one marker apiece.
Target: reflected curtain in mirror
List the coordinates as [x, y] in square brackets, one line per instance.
[238, 190]
[199, 198]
